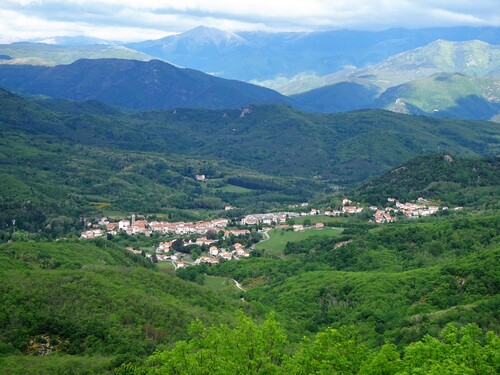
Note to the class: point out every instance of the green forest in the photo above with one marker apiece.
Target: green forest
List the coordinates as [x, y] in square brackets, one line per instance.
[412, 297]
[417, 296]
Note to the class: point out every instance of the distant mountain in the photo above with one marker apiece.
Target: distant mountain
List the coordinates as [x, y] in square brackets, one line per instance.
[51, 55]
[79, 40]
[339, 97]
[445, 95]
[414, 83]
[135, 85]
[473, 58]
[271, 55]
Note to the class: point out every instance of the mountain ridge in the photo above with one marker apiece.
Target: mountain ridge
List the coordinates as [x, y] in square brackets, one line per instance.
[135, 84]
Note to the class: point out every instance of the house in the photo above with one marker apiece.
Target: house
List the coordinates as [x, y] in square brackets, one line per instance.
[204, 241]
[333, 213]
[249, 220]
[165, 246]
[220, 223]
[298, 227]
[228, 208]
[103, 221]
[319, 225]
[111, 226]
[201, 177]
[226, 255]
[346, 201]
[181, 265]
[94, 233]
[214, 251]
[122, 224]
[352, 209]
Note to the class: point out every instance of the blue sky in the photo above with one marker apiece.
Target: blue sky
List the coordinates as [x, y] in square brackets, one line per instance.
[135, 20]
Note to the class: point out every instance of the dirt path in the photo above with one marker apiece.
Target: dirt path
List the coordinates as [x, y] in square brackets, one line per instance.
[238, 285]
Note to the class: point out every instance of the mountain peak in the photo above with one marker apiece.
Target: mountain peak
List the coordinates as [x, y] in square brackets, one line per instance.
[210, 35]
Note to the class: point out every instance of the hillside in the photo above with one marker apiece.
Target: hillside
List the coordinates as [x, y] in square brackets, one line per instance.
[445, 95]
[471, 58]
[57, 166]
[443, 78]
[135, 85]
[270, 139]
[95, 300]
[339, 97]
[449, 179]
[52, 55]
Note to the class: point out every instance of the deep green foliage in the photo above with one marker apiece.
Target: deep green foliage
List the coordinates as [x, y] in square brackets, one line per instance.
[448, 179]
[397, 282]
[246, 348]
[274, 140]
[97, 299]
[259, 349]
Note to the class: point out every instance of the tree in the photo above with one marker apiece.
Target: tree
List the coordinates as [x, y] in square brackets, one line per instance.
[246, 348]
[178, 245]
[334, 351]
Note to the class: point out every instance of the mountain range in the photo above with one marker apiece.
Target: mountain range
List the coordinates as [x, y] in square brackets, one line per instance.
[272, 55]
[410, 81]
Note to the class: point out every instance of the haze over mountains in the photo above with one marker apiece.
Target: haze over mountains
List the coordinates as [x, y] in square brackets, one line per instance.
[326, 71]
[270, 55]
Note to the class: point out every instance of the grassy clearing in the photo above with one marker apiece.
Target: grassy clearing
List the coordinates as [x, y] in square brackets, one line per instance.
[223, 285]
[279, 238]
[166, 267]
[234, 189]
[320, 219]
[55, 364]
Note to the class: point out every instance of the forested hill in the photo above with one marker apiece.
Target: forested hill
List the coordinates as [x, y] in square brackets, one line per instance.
[135, 85]
[274, 139]
[452, 180]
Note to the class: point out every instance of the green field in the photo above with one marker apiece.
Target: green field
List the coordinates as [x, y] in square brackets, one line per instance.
[234, 189]
[279, 238]
[320, 219]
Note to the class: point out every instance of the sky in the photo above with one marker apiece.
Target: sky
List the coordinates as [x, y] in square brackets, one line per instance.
[137, 20]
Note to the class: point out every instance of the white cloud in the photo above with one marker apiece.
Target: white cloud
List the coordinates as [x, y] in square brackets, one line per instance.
[145, 19]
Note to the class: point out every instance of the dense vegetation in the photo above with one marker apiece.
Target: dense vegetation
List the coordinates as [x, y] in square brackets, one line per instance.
[412, 296]
[396, 282]
[96, 299]
[275, 140]
[444, 178]
[249, 348]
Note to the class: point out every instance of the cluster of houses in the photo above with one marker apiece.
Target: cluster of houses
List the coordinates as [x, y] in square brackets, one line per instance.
[281, 217]
[411, 210]
[214, 254]
[134, 227]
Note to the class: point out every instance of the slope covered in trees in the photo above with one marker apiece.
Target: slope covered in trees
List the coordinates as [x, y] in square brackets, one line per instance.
[95, 299]
[277, 140]
[442, 177]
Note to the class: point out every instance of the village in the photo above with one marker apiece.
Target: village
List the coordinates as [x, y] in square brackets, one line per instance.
[207, 235]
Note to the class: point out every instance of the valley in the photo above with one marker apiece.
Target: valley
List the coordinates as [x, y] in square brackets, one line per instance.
[335, 210]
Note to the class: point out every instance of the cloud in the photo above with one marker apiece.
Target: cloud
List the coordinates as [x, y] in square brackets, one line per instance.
[145, 19]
